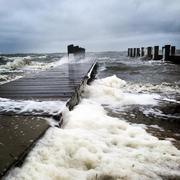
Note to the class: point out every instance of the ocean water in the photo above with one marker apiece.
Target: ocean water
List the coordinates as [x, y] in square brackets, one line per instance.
[16, 66]
[126, 125]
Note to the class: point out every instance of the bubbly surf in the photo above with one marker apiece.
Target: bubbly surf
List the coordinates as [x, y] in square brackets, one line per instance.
[94, 145]
[17, 67]
[30, 107]
[109, 134]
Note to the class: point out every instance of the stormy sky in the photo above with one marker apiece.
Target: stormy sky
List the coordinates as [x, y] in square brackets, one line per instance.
[98, 25]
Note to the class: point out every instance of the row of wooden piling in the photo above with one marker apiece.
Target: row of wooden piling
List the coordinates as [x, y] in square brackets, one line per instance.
[168, 53]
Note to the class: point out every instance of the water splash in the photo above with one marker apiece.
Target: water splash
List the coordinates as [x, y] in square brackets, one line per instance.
[93, 145]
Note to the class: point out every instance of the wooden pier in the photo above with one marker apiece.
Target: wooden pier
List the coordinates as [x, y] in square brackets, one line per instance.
[19, 133]
[168, 53]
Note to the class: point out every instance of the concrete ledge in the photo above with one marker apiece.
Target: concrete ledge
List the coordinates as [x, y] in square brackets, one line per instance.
[18, 135]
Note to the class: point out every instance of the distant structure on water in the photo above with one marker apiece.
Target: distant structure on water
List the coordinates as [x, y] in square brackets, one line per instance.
[78, 52]
[168, 53]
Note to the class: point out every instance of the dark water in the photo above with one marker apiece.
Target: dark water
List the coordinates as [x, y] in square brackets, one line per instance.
[162, 120]
[150, 77]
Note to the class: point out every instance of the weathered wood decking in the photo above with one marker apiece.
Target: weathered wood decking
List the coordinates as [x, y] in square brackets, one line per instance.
[18, 134]
[57, 83]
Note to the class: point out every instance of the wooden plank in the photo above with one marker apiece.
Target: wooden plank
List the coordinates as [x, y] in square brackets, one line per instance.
[58, 82]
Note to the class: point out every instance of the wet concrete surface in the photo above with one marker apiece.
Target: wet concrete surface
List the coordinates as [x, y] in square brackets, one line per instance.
[17, 136]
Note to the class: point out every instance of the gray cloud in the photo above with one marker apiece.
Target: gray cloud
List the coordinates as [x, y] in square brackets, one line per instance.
[49, 25]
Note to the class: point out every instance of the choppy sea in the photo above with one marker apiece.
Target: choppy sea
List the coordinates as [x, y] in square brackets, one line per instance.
[127, 125]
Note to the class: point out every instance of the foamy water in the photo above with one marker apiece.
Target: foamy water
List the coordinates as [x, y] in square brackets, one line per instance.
[30, 107]
[17, 67]
[94, 145]
[112, 90]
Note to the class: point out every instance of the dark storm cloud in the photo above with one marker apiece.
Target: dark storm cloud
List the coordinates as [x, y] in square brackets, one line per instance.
[49, 25]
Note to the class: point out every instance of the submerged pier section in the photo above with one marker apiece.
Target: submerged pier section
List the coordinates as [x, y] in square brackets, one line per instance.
[167, 53]
[18, 133]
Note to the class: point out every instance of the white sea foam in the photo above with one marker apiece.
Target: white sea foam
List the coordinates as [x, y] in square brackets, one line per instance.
[8, 78]
[159, 113]
[153, 88]
[115, 82]
[17, 63]
[3, 77]
[140, 125]
[72, 59]
[42, 57]
[31, 107]
[26, 63]
[26, 66]
[95, 146]
[22, 63]
[157, 127]
[110, 90]
[36, 66]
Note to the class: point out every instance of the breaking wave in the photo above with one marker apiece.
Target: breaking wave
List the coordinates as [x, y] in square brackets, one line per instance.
[23, 66]
[16, 64]
[112, 90]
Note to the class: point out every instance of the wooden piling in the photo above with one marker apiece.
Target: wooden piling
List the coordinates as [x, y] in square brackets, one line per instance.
[138, 52]
[162, 51]
[149, 52]
[134, 52]
[156, 53]
[173, 50]
[166, 52]
[142, 51]
[131, 52]
[128, 51]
